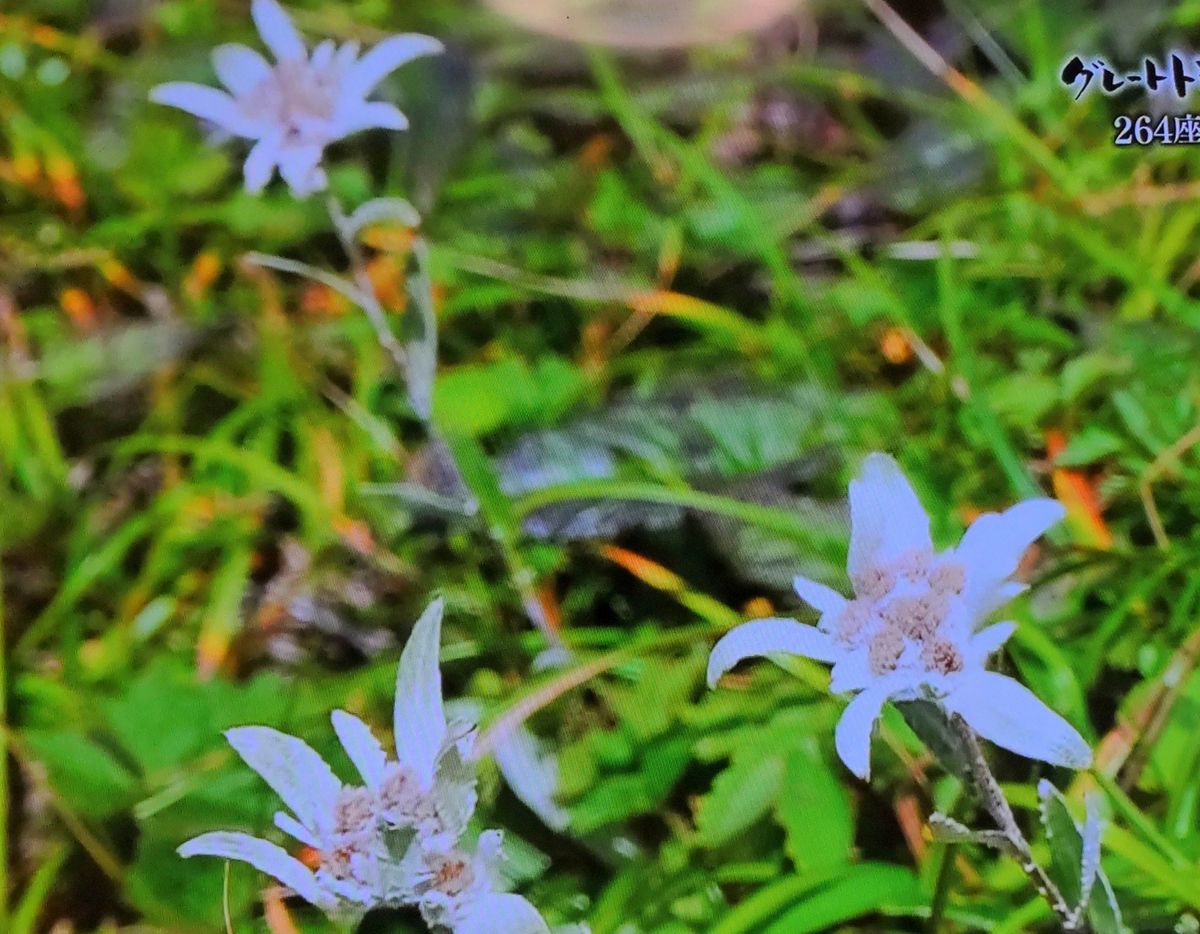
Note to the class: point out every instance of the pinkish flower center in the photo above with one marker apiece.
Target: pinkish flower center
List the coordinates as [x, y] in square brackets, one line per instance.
[354, 811]
[401, 799]
[451, 874]
[295, 97]
[900, 612]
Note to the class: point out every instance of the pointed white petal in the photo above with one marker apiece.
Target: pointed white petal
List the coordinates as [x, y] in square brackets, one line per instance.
[369, 116]
[301, 169]
[420, 719]
[992, 547]
[764, 637]
[501, 913]
[1010, 715]
[361, 746]
[204, 102]
[293, 828]
[384, 58]
[239, 67]
[293, 769]
[263, 856]
[980, 600]
[853, 735]
[987, 641]
[887, 520]
[277, 31]
[346, 55]
[260, 164]
[532, 773]
[851, 672]
[825, 600]
[316, 180]
[490, 856]
[322, 55]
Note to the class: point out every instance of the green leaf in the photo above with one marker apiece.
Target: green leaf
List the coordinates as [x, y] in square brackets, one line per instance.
[815, 813]
[663, 688]
[618, 797]
[1075, 862]
[86, 774]
[1022, 398]
[740, 796]
[1088, 446]
[611, 801]
[929, 723]
[1066, 843]
[1080, 374]
[1104, 914]
[167, 888]
[798, 904]
[477, 398]
[161, 720]
[864, 890]
[948, 830]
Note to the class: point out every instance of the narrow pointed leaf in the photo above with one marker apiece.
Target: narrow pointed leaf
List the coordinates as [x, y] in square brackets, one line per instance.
[454, 790]
[929, 722]
[1090, 857]
[378, 211]
[1066, 843]
[947, 830]
[421, 346]
[1104, 914]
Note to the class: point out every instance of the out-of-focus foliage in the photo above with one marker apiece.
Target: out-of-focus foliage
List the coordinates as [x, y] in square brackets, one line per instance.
[679, 295]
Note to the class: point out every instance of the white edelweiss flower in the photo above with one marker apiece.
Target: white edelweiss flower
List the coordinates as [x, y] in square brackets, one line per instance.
[429, 786]
[354, 828]
[295, 108]
[334, 819]
[395, 839]
[461, 892]
[911, 630]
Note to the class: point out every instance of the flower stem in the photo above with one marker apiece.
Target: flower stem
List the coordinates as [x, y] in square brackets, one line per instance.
[520, 574]
[993, 800]
[941, 889]
[370, 304]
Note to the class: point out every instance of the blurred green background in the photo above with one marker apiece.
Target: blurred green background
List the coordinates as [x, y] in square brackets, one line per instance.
[680, 293]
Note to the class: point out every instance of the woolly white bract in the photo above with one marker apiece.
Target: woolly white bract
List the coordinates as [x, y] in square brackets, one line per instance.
[296, 107]
[911, 630]
[396, 839]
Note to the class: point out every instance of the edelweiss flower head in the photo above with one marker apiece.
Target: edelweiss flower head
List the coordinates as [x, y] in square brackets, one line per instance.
[461, 891]
[393, 840]
[296, 107]
[911, 630]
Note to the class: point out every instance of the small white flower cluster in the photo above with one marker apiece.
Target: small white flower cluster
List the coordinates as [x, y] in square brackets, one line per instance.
[912, 630]
[396, 839]
[295, 108]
